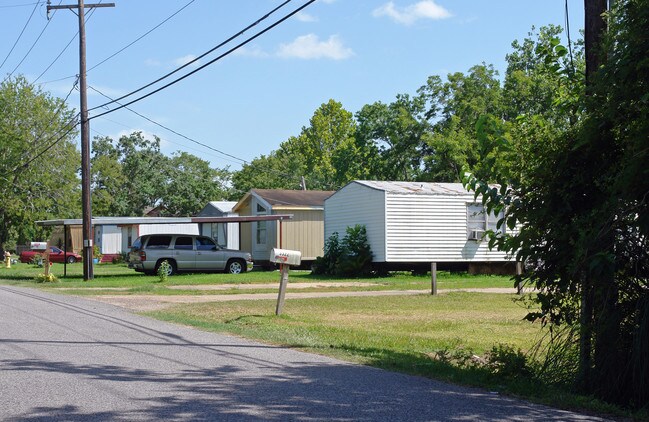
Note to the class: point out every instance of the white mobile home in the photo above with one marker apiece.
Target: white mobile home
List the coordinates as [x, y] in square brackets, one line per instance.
[411, 223]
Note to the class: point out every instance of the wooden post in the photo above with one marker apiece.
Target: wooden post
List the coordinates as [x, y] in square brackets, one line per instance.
[519, 271]
[433, 278]
[46, 259]
[282, 288]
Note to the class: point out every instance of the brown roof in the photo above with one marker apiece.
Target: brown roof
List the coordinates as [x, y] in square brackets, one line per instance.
[283, 197]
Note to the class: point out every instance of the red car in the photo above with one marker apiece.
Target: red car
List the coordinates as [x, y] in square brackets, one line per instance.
[56, 255]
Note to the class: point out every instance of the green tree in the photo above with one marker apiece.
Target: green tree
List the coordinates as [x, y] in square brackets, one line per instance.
[39, 161]
[192, 184]
[454, 108]
[128, 176]
[580, 203]
[392, 138]
[324, 153]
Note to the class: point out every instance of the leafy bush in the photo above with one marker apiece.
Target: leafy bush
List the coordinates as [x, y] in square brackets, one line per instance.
[506, 362]
[350, 258]
[163, 271]
[37, 260]
[46, 278]
[326, 264]
[120, 259]
[356, 259]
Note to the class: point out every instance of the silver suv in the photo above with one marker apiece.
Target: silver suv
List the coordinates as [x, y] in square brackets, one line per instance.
[185, 252]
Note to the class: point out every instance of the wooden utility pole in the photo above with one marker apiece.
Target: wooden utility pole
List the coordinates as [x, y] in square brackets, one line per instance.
[594, 28]
[85, 135]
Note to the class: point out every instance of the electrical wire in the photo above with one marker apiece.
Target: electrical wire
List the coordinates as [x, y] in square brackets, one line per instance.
[59, 139]
[92, 11]
[199, 57]
[35, 42]
[572, 64]
[21, 5]
[142, 36]
[24, 165]
[208, 63]
[239, 160]
[18, 39]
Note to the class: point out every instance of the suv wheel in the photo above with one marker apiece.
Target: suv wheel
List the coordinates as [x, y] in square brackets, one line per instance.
[171, 268]
[235, 266]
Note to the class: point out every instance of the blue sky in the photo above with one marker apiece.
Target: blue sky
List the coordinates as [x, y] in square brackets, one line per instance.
[354, 51]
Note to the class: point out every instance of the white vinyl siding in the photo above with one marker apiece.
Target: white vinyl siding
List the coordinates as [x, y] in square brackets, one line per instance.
[111, 240]
[409, 227]
[182, 228]
[356, 204]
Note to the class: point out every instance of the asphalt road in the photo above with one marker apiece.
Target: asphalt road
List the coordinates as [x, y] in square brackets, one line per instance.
[66, 358]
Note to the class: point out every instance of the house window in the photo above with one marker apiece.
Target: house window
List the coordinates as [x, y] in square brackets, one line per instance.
[262, 229]
[479, 221]
[220, 233]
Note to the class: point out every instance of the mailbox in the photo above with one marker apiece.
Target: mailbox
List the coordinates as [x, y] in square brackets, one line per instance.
[38, 246]
[284, 256]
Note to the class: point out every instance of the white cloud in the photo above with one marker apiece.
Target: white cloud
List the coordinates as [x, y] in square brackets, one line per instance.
[305, 17]
[425, 9]
[152, 62]
[310, 47]
[180, 61]
[254, 51]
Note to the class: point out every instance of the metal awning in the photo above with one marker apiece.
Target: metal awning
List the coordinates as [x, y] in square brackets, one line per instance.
[98, 221]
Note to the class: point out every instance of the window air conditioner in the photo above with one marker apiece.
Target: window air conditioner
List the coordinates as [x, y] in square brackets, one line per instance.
[476, 234]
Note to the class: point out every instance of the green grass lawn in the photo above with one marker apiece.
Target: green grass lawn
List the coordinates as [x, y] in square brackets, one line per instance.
[120, 276]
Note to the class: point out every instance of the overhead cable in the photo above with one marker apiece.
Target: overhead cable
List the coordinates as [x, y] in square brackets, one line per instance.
[35, 42]
[239, 160]
[141, 36]
[19, 36]
[238, 34]
[65, 48]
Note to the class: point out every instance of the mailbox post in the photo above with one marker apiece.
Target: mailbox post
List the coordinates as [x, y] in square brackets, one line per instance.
[45, 247]
[285, 259]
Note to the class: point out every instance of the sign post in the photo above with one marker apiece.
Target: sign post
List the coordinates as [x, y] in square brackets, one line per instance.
[285, 259]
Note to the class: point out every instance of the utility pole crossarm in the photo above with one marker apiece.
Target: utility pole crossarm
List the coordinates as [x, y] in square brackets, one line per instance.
[85, 6]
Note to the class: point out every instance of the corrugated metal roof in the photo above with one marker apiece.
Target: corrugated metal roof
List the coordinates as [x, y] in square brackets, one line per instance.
[418, 188]
[283, 197]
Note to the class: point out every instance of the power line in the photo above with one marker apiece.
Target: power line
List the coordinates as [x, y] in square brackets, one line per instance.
[19, 36]
[21, 5]
[33, 45]
[50, 146]
[201, 56]
[239, 160]
[141, 36]
[123, 48]
[92, 11]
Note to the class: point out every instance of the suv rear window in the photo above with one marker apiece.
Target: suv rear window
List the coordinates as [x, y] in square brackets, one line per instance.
[137, 244]
[184, 242]
[158, 242]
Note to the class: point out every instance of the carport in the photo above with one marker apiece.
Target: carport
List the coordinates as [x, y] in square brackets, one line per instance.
[99, 221]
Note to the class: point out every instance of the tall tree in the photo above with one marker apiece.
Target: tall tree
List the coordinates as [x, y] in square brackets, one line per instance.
[454, 107]
[325, 154]
[580, 202]
[192, 184]
[392, 138]
[130, 175]
[38, 160]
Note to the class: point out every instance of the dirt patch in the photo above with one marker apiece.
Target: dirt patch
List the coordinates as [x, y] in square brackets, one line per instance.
[153, 302]
[318, 285]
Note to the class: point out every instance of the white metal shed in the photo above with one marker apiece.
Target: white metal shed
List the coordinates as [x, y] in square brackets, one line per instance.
[414, 222]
